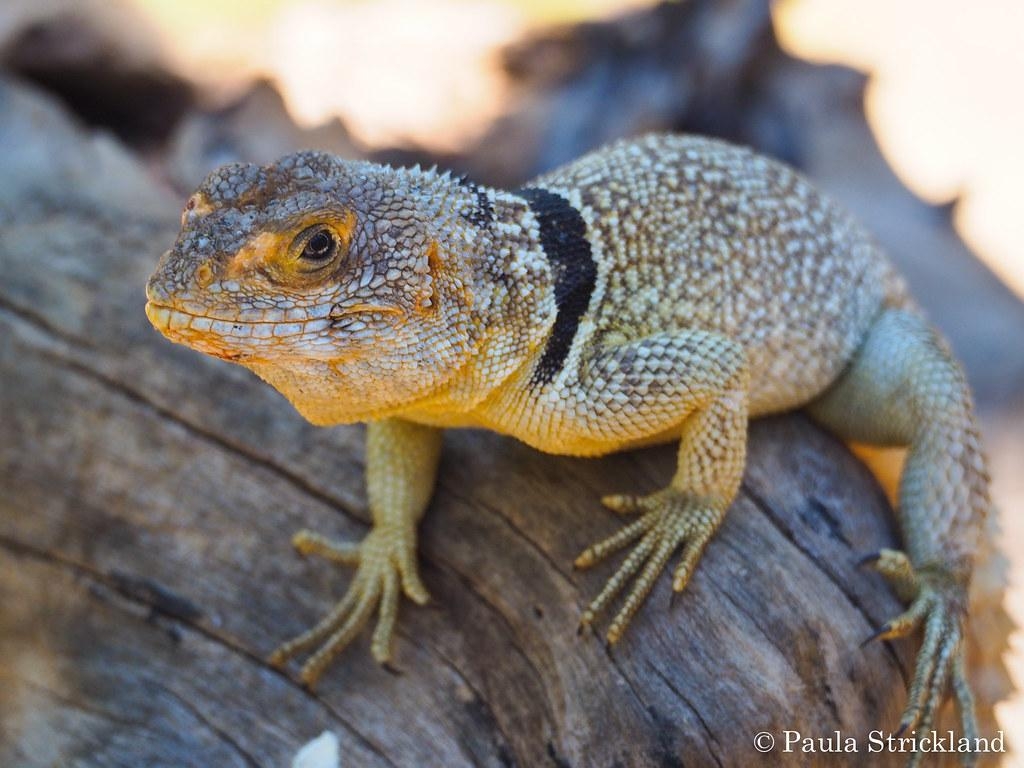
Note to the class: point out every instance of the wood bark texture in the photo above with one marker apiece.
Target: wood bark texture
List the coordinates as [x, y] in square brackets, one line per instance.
[148, 495]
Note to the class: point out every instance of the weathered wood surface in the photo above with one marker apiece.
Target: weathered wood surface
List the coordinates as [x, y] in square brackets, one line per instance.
[147, 497]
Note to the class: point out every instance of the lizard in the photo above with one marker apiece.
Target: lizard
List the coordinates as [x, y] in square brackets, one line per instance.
[662, 288]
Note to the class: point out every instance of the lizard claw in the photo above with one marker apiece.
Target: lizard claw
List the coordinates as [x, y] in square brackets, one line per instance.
[938, 602]
[624, 504]
[869, 559]
[669, 519]
[383, 564]
[882, 631]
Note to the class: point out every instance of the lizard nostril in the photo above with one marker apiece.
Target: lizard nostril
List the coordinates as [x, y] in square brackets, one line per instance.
[204, 275]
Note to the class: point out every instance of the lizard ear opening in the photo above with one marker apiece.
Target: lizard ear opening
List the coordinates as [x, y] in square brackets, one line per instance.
[429, 295]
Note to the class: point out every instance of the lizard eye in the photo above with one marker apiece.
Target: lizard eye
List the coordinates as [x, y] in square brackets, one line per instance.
[320, 246]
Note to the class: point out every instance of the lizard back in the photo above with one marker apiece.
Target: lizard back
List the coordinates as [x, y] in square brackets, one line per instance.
[691, 232]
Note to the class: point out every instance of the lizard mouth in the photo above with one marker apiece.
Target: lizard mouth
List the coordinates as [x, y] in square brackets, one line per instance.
[231, 339]
[165, 317]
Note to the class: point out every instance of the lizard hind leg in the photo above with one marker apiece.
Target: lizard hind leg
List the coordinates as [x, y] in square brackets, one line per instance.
[903, 388]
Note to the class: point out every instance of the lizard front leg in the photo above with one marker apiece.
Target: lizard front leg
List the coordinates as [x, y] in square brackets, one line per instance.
[401, 467]
[699, 382]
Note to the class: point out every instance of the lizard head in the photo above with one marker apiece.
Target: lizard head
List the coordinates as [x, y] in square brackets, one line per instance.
[328, 278]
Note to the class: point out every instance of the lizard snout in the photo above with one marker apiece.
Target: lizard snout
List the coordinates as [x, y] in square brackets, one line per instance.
[156, 286]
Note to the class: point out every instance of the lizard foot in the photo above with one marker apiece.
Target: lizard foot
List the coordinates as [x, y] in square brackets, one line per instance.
[667, 520]
[938, 601]
[383, 560]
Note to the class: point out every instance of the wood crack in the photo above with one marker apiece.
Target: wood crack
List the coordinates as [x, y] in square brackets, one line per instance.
[516, 530]
[751, 615]
[41, 324]
[499, 738]
[87, 571]
[777, 523]
[510, 632]
[105, 714]
[212, 727]
[696, 713]
[210, 437]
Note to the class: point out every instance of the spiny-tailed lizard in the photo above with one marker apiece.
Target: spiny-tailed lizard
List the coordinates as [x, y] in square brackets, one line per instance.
[662, 288]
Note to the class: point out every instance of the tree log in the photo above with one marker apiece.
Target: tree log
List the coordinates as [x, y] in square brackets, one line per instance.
[148, 495]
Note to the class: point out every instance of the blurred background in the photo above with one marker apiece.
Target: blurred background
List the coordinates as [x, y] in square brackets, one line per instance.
[911, 113]
[942, 99]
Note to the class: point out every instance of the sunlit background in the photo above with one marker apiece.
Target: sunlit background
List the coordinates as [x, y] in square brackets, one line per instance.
[945, 100]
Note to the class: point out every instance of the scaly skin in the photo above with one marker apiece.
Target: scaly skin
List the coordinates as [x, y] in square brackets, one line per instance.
[665, 288]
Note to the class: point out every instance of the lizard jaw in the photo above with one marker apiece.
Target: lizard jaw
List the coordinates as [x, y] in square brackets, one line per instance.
[228, 339]
[180, 327]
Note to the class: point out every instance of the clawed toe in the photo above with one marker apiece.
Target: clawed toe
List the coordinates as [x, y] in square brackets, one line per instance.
[625, 504]
[627, 535]
[670, 519]
[938, 603]
[897, 569]
[308, 542]
[902, 625]
[381, 571]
